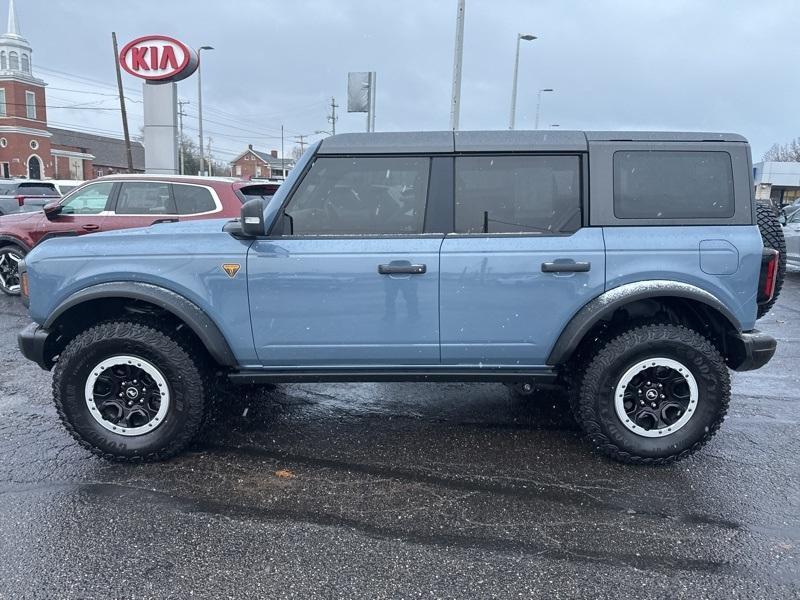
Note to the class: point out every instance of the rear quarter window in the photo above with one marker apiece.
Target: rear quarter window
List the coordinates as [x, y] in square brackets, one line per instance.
[193, 199]
[667, 184]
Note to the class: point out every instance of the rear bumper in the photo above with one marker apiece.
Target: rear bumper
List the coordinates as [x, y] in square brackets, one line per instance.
[32, 341]
[750, 350]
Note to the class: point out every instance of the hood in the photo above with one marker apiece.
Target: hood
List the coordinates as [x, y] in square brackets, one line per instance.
[15, 218]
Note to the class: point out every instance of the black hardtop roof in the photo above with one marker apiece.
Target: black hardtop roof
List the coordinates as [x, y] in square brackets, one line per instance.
[410, 142]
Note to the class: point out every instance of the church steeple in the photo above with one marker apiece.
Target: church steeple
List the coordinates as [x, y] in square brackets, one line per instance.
[15, 50]
[13, 26]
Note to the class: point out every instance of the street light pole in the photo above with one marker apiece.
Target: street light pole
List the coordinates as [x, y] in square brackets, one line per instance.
[539, 104]
[458, 54]
[512, 119]
[200, 103]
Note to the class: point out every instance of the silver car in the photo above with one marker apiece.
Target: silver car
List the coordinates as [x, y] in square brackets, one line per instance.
[791, 231]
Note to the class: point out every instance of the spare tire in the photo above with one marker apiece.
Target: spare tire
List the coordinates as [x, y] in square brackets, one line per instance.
[772, 235]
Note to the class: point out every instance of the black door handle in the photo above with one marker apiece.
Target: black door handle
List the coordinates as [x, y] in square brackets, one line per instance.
[401, 269]
[565, 267]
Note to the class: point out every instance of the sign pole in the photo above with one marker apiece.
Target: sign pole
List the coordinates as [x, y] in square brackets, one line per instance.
[122, 104]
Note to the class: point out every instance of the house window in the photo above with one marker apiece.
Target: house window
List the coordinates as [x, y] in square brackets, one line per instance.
[238, 170]
[13, 61]
[3, 61]
[2, 102]
[30, 105]
[26, 64]
[34, 145]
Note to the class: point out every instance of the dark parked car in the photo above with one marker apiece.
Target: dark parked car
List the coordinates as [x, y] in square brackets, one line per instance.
[25, 194]
[116, 202]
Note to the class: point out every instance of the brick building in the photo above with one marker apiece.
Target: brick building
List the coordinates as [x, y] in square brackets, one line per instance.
[260, 165]
[31, 149]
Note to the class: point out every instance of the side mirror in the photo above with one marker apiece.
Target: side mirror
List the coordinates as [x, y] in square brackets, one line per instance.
[52, 209]
[253, 218]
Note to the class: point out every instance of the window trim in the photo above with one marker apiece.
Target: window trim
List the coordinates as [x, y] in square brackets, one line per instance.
[30, 108]
[113, 208]
[275, 231]
[656, 220]
[583, 190]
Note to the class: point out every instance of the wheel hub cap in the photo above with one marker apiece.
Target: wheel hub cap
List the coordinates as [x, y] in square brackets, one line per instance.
[127, 395]
[9, 271]
[656, 397]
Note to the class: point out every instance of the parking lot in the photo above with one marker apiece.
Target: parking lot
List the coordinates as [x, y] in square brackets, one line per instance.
[402, 490]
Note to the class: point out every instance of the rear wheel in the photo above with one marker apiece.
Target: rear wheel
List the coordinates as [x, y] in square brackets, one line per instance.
[127, 391]
[772, 235]
[653, 395]
[10, 257]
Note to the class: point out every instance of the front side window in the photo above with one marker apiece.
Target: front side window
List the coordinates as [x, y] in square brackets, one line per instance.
[89, 200]
[673, 185]
[144, 198]
[193, 199]
[518, 194]
[361, 195]
[30, 105]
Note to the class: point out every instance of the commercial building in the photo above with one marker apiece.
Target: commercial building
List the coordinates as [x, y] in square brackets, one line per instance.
[777, 182]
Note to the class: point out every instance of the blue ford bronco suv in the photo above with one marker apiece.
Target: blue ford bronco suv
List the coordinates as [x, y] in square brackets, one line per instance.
[629, 267]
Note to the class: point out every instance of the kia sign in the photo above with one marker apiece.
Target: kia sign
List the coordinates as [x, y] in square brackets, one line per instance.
[158, 58]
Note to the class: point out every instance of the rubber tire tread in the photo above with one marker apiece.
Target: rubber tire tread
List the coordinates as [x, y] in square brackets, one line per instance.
[772, 235]
[590, 378]
[148, 335]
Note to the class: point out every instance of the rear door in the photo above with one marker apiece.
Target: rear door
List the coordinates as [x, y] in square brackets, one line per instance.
[354, 279]
[519, 264]
[141, 204]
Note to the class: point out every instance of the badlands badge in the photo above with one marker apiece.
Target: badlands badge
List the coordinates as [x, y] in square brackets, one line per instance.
[231, 269]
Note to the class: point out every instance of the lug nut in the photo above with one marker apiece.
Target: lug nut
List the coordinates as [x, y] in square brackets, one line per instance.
[653, 404]
[659, 385]
[662, 396]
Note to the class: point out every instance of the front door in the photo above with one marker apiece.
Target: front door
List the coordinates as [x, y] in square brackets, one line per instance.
[34, 168]
[519, 265]
[354, 279]
[83, 211]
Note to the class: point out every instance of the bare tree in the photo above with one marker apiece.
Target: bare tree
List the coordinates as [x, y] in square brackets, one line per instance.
[784, 152]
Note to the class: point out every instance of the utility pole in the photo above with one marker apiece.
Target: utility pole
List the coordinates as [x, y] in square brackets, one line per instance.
[283, 160]
[300, 140]
[210, 160]
[122, 104]
[332, 118]
[455, 104]
[180, 134]
[200, 102]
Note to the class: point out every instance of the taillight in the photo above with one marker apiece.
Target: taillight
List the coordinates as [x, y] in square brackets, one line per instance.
[21, 200]
[23, 284]
[769, 275]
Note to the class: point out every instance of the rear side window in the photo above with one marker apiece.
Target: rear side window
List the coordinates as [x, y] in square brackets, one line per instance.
[518, 194]
[361, 195]
[144, 198]
[193, 199]
[666, 184]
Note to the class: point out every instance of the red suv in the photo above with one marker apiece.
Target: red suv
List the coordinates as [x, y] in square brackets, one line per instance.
[120, 202]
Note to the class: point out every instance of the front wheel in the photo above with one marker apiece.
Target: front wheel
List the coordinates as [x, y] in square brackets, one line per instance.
[128, 391]
[10, 257]
[653, 395]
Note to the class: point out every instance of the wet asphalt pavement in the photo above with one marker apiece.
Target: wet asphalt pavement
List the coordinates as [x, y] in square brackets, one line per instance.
[402, 491]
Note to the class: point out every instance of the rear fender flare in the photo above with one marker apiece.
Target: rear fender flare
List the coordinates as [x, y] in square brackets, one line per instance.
[604, 305]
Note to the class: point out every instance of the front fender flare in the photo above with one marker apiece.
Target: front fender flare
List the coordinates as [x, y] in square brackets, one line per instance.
[187, 311]
[604, 305]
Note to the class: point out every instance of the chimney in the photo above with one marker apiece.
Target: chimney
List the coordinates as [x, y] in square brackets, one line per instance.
[249, 146]
[274, 153]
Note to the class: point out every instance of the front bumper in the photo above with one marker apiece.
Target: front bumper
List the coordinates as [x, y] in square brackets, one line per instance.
[32, 341]
[750, 350]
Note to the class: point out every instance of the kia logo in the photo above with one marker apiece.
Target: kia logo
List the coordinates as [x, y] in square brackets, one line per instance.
[158, 58]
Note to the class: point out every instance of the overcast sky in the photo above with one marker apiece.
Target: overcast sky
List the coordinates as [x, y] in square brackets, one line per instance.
[713, 65]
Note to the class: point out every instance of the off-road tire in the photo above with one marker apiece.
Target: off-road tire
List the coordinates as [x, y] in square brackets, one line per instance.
[7, 248]
[593, 404]
[188, 382]
[772, 235]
